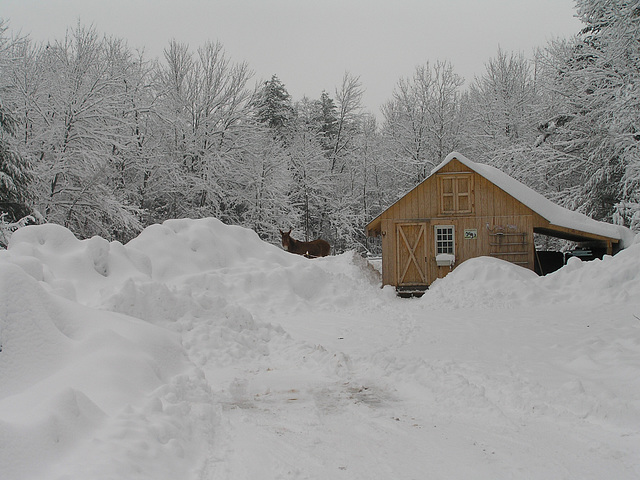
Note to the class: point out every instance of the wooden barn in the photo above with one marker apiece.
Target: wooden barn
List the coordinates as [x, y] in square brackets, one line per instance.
[466, 209]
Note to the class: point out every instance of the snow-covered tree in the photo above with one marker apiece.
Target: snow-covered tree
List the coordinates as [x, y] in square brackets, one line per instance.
[421, 121]
[347, 120]
[330, 157]
[70, 94]
[310, 176]
[597, 121]
[500, 107]
[204, 111]
[326, 118]
[340, 199]
[142, 174]
[366, 185]
[273, 107]
[261, 185]
[15, 169]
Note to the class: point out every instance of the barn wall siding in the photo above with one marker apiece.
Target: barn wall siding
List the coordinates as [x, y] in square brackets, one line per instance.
[496, 217]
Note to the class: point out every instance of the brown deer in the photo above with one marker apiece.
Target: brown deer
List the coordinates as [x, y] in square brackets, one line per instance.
[314, 249]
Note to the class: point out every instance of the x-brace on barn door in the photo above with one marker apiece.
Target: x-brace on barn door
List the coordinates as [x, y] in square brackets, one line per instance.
[411, 242]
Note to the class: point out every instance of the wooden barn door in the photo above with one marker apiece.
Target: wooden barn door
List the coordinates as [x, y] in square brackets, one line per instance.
[411, 263]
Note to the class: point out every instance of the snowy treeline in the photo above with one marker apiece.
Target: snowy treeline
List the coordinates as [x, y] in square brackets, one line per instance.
[103, 140]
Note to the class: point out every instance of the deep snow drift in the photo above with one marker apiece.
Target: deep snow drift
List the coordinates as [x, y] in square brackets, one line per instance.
[197, 351]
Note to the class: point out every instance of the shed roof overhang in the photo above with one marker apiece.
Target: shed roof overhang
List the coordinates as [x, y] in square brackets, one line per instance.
[577, 236]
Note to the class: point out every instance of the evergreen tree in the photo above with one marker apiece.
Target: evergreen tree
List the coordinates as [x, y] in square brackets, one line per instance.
[273, 106]
[327, 119]
[15, 172]
[15, 169]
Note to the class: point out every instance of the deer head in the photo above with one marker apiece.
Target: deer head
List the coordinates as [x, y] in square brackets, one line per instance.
[286, 239]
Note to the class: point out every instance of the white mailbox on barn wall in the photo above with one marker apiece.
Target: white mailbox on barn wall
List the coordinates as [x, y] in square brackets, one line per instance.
[445, 259]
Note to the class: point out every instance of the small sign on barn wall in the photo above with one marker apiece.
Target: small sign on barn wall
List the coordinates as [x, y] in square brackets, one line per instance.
[470, 233]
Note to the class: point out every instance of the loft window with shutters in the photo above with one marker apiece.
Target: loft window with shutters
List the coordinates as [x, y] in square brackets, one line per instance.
[456, 193]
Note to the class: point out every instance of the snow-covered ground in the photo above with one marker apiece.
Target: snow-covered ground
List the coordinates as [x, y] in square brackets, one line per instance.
[197, 351]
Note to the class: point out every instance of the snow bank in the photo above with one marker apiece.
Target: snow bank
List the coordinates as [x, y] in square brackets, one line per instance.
[72, 374]
[199, 351]
[82, 271]
[610, 280]
[184, 247]
[483, 282]
[206, 261]
[487, 282]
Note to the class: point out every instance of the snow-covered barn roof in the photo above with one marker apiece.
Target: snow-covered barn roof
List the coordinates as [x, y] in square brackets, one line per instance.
[555, 214]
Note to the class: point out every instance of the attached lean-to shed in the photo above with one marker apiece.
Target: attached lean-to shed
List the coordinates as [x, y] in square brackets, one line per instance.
[466, 209]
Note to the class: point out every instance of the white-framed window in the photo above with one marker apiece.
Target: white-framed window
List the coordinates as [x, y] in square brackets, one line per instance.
[445, 239]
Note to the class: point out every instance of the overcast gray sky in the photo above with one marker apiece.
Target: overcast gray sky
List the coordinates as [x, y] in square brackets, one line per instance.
[309, 44]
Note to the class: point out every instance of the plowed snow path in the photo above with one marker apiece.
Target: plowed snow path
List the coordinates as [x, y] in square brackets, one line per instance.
[350, 395]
